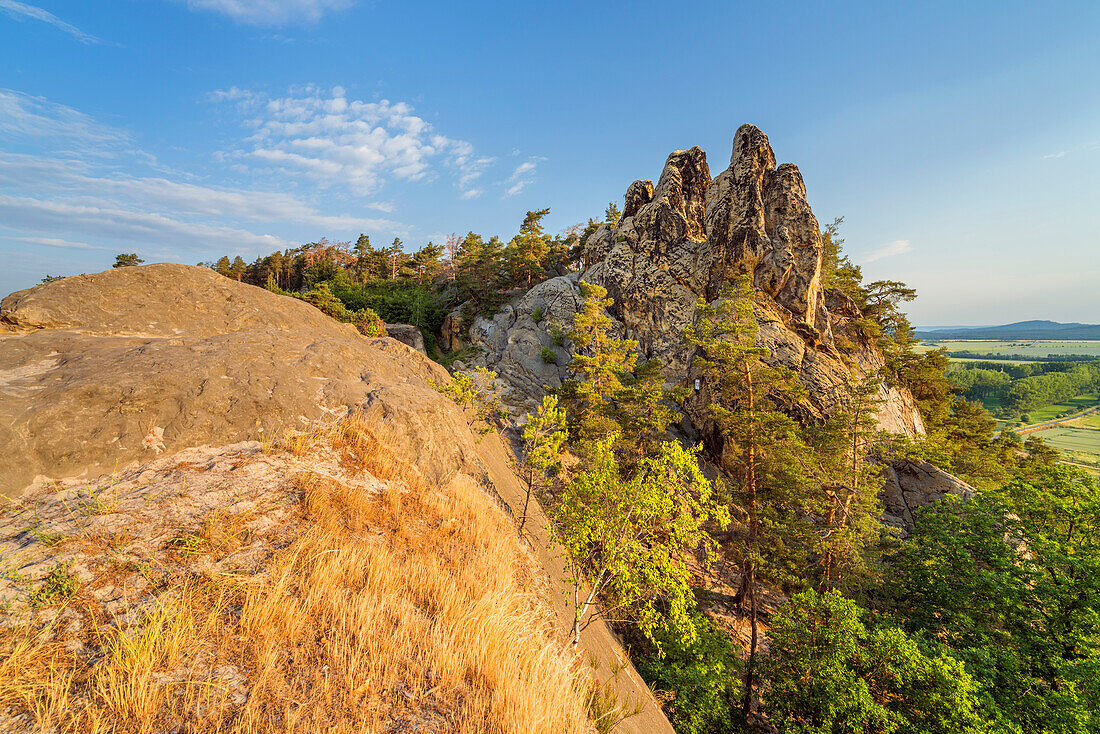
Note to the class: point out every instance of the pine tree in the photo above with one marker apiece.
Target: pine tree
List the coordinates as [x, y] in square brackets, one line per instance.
[528, 252]
[642, 407]
[761, 449]
[846, 490]
[601, 361]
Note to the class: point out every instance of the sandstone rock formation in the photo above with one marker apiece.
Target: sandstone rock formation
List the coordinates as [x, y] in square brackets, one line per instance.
[680, 241]
[168, 383]
[911, 485]
[407, 334]
[102, 370]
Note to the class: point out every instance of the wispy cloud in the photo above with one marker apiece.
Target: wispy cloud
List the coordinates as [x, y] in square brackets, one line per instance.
[55, 242]
[21, 11]
[101, 219]
[28, 119]
[522, 177]
[271, 12]
[897, 247]
[1069, 151]
[346, 143]
[71, 193]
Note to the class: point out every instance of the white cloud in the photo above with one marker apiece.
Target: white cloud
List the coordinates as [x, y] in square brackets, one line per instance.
[522, 177]
[28, 119]
[897, 247]
[71, 193]
[19, 11]
[1059, 154]
[54, 176]
[101, 219]
[346, 143]
[55, 242]
[271, 12]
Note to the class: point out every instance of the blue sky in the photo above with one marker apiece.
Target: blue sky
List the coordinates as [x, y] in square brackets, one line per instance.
[960, 141]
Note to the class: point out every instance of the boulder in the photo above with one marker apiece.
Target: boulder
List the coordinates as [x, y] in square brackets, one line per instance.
[911, 485]
[407, 334]
[98, 371]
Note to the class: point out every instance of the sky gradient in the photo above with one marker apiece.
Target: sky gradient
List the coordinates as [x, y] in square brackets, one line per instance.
[960, 141]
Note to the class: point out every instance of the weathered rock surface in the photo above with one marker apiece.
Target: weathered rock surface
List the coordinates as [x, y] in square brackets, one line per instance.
[170, 379]
[102, 370]
[407, 334]
[911, 485]
[680, 241]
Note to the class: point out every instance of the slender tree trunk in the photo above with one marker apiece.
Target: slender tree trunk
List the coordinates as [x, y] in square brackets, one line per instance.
[527, 499]
[748, 680]
[748, 577]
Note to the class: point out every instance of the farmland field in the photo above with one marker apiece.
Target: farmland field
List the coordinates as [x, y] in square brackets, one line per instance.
[1019, 348]
[1050, 412]
[1078, 445]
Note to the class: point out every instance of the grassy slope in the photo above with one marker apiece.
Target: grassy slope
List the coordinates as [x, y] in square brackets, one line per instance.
[411, 607]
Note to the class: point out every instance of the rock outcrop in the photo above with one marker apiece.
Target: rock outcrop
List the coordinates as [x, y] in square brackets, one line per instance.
[680, 241]
[172, 384]
[911, 485]
[98, 371]
[407, 334]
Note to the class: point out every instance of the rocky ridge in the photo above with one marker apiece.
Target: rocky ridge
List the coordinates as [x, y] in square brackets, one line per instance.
[171, 384]
[680, 241]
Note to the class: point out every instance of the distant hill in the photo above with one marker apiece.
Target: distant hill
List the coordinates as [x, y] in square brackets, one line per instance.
[1018, 330]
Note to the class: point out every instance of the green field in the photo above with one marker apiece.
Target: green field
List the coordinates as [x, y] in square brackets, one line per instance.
[1078, 445]
[1021, 348]
[1050, 412]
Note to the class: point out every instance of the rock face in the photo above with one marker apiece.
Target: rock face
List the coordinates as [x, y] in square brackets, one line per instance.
[164, 381]
[102, 370]
[911, 485]
[682, 240]
[407, 334]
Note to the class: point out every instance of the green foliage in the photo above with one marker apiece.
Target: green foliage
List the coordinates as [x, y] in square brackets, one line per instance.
[1010, 583]
[125, 260]
[612, 214]
[628, 536]
[701, 675]
[601, 361]
[828, 673]
[536, 314]
[321, 296]
[475, 390]
[50, 279]
[837, 271]
[60, 585]
[544, 435]
[548, 356]
[557, 335]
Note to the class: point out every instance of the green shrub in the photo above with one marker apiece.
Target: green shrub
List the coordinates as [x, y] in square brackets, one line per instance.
[548, 356]
[828, 672]
[557, 335]
[58, 587]
[701, 675]
[536, 314]
[369, 323]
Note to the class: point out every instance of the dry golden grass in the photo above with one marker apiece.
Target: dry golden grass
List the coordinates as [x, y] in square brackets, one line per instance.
[413, 608]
